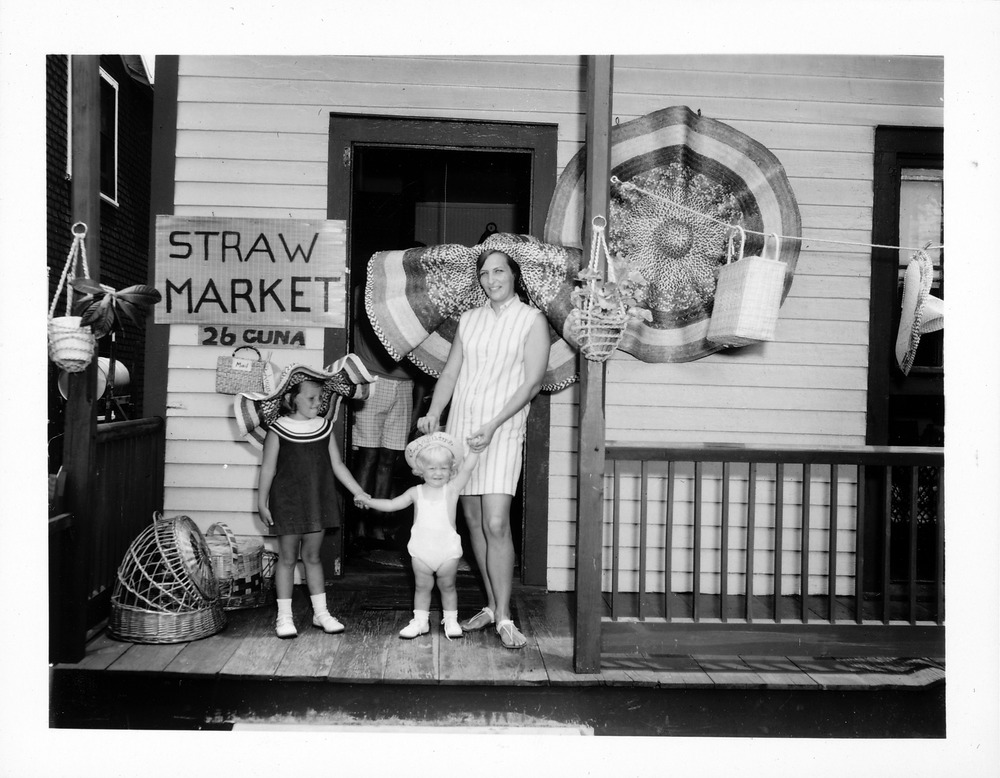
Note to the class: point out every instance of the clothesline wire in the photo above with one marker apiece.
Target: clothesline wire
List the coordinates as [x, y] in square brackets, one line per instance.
[618, 181]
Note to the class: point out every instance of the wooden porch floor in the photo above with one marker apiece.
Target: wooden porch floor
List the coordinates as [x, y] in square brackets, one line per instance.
[374, 609]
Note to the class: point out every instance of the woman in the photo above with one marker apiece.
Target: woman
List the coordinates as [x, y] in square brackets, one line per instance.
[494, 369]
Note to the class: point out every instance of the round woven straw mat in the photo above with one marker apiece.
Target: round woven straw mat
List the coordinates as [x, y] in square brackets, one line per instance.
[414, 298]
[692, 167]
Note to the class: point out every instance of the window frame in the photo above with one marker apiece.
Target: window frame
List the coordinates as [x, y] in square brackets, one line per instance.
[112, 198]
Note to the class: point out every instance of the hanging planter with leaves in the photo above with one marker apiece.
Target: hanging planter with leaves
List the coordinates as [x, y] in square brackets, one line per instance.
[603, 307]
[104, 308]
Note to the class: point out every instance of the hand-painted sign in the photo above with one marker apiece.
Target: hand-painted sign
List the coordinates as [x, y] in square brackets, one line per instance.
[253, 336]
[251, 271]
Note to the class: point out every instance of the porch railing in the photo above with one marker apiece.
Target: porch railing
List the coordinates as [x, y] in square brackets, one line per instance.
[731, 549]
[127, 489]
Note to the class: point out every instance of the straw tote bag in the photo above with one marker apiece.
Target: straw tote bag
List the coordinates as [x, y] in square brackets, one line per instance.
[235, 374]
[748, 296]
[71, 346]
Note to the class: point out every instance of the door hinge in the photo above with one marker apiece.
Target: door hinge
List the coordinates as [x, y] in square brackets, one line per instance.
[347, 157]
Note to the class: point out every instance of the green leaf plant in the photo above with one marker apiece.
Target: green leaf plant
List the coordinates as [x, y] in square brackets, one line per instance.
[103, 309]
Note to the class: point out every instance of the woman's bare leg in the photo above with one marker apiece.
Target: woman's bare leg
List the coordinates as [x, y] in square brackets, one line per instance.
[499, 551]
[472, 507]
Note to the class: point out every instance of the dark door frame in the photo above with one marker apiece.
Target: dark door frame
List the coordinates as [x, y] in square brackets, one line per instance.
[895, 148]
[348, 130]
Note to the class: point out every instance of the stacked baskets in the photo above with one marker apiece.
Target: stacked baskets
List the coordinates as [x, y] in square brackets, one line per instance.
[166, 591]
[239, 567]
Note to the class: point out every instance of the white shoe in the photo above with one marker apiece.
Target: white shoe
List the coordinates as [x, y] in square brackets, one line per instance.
[452, 629]
[327, 623]
[414, 629]
[284, 627]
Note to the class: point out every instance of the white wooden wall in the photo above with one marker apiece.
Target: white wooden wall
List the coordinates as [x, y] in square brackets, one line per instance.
[252, 141]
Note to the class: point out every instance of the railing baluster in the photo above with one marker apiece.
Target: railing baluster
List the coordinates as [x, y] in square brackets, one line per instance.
[859, 547]
[804, 561]
[886, 543]
[642, 539]
[668, 543]
[615, 541]
[939, 551]
[696, 549]
[779, 526]
[834, 499]
[724, 543]
[911, 577]
[751, 513]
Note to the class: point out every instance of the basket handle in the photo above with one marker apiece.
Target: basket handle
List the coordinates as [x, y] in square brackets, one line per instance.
[240, 348]
[224, 529]
[730, 248]
[777, 246]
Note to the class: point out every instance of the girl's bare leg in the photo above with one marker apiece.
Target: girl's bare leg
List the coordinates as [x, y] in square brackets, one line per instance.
[284, 570]
[424, 581]
[446, 585]
[311, 544]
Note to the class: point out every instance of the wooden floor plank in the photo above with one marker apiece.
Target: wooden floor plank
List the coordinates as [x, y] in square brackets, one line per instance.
[311, 655]
[727, 671]
[147, 658]
[465, 660]
[101, 652]
[673, 672]
[410, 661]
[261, 651]
[778, 672]
[557, 655]
[364, 646]
[209, 655]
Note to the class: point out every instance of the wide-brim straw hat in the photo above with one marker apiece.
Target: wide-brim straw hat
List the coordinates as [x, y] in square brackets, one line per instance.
[347, 377]
[697, 167]
[920, 311]
[424, 442]
[415, 297]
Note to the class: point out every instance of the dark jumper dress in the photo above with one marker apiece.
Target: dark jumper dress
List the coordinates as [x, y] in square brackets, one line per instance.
[303, 496]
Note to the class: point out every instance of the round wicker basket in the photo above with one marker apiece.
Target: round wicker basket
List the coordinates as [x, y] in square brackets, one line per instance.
[166, 590]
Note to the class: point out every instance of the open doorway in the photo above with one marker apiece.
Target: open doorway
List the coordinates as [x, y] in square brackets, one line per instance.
[411, 182]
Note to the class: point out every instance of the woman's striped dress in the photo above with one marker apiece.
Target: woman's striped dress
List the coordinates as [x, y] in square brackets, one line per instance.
[492, 369]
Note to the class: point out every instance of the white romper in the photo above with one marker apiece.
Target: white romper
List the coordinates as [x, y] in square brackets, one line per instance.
[433, 539]
[492, 369]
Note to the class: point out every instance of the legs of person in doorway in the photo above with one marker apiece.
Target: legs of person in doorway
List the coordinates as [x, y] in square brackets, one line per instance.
[316, 583]
[375, 470]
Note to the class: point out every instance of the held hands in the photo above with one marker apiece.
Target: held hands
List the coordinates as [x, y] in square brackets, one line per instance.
[480, 439]
[362, 500]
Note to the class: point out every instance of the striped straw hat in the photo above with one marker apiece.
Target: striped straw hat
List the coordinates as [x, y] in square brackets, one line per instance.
[347, 377]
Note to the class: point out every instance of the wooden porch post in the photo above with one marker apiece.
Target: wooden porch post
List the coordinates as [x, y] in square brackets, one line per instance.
[80, 438]
[590, 473]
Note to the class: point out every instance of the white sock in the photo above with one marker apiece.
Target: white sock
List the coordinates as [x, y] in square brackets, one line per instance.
[319, 603]
[422, 617]
[450, 615]
[285, 608]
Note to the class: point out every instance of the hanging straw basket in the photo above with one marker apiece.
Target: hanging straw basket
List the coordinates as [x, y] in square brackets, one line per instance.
[166, 591]
[238, 564]
[71, 346]
[599, 328]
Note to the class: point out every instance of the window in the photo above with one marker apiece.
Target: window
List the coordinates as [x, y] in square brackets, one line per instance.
[109, 138]
[108, 131]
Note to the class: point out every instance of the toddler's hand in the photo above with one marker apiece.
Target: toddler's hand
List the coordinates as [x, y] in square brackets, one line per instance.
[361, 500]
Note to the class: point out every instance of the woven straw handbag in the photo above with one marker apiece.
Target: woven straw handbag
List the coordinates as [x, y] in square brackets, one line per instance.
[235, 374]
[747, 297]
[71, 346]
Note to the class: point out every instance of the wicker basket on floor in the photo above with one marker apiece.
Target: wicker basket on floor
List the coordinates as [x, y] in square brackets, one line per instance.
[270, 561]
[166, 591]
[238, 565]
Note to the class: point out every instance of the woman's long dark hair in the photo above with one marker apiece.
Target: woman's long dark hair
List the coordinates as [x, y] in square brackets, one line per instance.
[519, 288]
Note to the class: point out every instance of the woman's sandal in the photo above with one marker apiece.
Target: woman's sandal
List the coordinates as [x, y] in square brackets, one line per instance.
[480, 621]
[510, 636]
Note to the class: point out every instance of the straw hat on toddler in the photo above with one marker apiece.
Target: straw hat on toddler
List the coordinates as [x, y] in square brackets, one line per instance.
[415, 447]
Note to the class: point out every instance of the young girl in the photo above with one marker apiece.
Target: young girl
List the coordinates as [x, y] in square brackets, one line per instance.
[297, 491]
[435, 547]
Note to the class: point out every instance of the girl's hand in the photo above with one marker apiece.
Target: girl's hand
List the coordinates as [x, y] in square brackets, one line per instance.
[361, 500]
[429, 423]
[480, 439]
[265, 515]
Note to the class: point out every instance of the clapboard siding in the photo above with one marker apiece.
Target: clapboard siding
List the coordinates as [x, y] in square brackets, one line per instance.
[252, 140]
